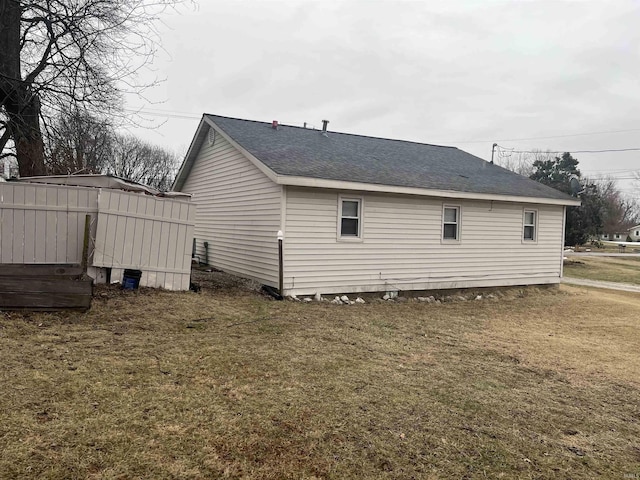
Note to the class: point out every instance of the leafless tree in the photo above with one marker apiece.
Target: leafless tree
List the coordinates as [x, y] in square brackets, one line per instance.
[56, 53]
[521, 162]
[77, 142]
[136, 160]
[620, 212]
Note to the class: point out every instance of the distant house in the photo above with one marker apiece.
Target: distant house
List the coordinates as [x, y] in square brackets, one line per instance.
[622, 236]
[365, 214]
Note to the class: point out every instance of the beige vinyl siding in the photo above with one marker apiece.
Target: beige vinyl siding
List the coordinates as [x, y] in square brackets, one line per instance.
[238, 212]
[44, 223]
[147, 233]
[402, 247]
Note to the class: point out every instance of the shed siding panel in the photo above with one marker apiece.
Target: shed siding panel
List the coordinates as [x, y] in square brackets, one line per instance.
[401, 246]
[149, 234]
[43, 223]
[46, 223]
[238, 212]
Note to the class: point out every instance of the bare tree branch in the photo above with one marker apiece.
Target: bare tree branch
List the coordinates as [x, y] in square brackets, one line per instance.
[521, 162]
[79, 53]
[620, 212]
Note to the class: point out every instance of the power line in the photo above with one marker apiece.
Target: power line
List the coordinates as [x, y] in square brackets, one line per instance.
[167, 114]
[550, 136]
[634, 149]
[188, 115]
[624, 170]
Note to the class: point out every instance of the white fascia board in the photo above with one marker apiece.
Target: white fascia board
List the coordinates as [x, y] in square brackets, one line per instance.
[261, 166]
[189, 158]
[373, 187]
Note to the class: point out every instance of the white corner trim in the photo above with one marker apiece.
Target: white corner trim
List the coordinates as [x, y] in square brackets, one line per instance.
[283, 209]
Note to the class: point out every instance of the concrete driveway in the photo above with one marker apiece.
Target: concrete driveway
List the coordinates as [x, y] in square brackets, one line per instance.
[626, 287]
[599, 254]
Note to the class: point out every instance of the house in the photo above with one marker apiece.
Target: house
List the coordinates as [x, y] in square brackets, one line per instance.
[621, 236]
[634, 233]
[364, 214]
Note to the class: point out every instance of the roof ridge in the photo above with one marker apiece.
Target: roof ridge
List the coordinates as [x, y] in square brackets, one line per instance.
[335, 132]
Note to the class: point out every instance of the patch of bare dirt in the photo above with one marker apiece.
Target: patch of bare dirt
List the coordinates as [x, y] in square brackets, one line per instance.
[212, 279]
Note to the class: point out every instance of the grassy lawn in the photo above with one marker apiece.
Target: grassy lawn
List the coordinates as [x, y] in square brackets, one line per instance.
[610, 269]
[228, 384]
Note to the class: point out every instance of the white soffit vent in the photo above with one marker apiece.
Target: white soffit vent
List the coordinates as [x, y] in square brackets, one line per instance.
[211, 136]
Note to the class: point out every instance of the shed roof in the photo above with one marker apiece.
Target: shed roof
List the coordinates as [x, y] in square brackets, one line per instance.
[99, 181]
[296, 152]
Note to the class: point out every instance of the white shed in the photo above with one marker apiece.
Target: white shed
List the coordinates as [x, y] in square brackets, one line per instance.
[364, 214]
[42, 221]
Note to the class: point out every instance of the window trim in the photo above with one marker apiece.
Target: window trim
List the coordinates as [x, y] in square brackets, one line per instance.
[458, 224]
[534, 225]
[350, 238]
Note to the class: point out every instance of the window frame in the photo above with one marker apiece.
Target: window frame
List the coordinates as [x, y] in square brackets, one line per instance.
[360, 218]
[525, 225]
[458, 224]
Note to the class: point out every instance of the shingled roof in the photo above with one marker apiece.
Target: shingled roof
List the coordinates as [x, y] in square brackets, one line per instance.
[291, 151]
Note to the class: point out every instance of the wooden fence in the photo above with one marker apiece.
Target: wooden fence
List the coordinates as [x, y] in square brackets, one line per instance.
[44, 224]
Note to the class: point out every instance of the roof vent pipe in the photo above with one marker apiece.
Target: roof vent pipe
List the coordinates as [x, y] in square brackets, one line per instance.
[324, 125]
[274, 124]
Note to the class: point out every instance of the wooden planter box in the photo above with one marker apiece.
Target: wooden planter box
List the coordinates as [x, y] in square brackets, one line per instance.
[44, 287]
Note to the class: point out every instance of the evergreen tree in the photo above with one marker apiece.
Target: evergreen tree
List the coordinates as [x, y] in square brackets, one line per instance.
[583, 221]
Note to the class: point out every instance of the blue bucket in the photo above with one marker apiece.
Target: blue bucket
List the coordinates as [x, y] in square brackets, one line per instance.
[131, 279]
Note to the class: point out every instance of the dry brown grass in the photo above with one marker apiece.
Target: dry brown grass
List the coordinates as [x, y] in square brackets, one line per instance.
[609, 269]
[232, 385]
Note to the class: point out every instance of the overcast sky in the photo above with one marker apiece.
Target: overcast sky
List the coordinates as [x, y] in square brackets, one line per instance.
[459, 73]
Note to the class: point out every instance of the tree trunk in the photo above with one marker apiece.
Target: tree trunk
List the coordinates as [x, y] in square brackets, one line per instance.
[28, 140]
[21, 105]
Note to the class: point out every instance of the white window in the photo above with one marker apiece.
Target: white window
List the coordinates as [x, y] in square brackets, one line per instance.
[350, 217]
[637, 233]
[451, 222]
[606, 235]
[617, 235]
[530, 217]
